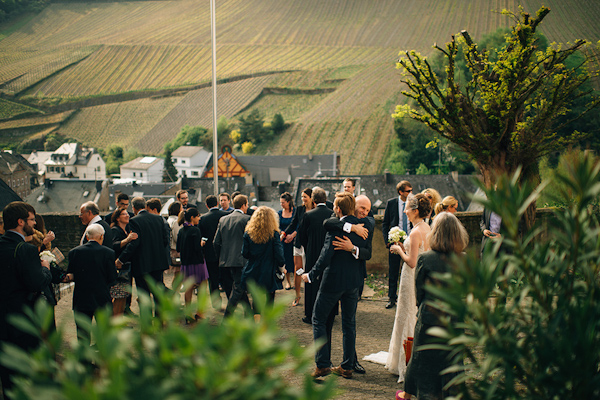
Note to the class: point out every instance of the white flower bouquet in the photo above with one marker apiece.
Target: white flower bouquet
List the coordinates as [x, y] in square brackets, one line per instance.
[47, 255]
[396, 235]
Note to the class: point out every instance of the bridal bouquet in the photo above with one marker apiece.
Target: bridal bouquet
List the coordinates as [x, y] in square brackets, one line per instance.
[396, 235]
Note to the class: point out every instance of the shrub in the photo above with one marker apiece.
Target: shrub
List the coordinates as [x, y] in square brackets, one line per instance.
[162, 358]
[529, 312]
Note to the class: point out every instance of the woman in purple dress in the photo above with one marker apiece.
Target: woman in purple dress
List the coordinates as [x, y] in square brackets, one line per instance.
[189, 246]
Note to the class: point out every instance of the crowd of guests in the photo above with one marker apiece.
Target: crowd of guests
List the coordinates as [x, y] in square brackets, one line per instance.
[320, 244]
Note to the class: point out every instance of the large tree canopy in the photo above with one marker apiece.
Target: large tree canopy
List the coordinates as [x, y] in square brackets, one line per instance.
[507, 113]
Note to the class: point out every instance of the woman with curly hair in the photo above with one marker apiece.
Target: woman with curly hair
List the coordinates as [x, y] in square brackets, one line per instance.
[263, 249]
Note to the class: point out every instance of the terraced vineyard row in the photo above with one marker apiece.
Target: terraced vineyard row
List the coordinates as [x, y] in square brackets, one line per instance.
[120, 123]
[21, 69]
[117, 69]
[35, 121]
[195, 109]
[9, 109]
[355, 121]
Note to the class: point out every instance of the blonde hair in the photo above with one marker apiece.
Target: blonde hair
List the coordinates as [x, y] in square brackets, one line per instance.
[262, 225]
[444, 204]
[448, 234]
[435, 196]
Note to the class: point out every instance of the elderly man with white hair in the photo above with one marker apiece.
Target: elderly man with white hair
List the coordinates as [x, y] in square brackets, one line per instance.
[92, 268]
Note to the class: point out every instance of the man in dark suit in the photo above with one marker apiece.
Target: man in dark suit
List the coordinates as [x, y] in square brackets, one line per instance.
[24, 276]
[228, 247]
[364, 229]
[311, 235]
[395, 216]
[92, 268]
[341, 276]
[147, 253]
[89, 213]
[122, 201]
[184, 198]
[208, 226]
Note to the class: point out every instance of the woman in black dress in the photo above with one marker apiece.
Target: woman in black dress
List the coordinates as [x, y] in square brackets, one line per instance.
[289, 236]
[423, 375]
[122, 236]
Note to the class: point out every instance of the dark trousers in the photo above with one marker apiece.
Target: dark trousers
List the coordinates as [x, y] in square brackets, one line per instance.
[82, 333]
[394, 273]
[237, 292]
[324, 304]
[310, 295]
[141, 282]
[213, 283]
[226, 280]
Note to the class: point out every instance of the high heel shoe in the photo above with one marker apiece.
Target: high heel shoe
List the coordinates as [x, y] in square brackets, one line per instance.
[296, 302]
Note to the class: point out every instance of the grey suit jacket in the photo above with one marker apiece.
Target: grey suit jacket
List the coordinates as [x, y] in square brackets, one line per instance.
[230, 238]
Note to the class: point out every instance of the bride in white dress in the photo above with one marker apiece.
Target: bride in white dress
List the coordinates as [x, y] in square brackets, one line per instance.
[418, 207]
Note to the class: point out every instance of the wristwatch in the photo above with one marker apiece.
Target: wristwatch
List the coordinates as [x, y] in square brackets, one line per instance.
[354, 251]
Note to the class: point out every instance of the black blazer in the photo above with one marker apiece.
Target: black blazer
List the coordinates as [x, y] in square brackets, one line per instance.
[208, 226]
[391, 218]
[311, 233]
[336, 227]
[94, 271]
[108, 235]
[428, 264]
[339, 270]
[188, 245]
[23, 277]
[147, 252]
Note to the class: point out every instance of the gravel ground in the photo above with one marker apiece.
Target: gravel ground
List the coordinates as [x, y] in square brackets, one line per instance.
[374, 328]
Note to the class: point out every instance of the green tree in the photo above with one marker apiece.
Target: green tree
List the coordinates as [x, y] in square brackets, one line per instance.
[251, 127]
[277, 123]
[113, 156]
[169, 171]
[131, 154]
[506, 114]
[526, 322]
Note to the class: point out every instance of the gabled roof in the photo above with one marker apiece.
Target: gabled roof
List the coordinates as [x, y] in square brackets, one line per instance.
[63, 195]
[141, 163]
[12, 162]
[267, 169]
[7, 195]
[189, 151]
[228, 165]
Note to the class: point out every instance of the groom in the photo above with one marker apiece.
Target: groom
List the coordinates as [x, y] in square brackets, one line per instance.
[341, 279]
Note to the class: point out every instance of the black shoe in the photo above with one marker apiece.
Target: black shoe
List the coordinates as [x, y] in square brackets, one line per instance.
[359, 369]
[390, 304]
[306, 320]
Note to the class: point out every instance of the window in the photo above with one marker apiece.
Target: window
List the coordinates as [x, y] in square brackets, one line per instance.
[194, 173]
[182, 161]
[134, 174]
[141, 175]
[174, 161]
[98, 168]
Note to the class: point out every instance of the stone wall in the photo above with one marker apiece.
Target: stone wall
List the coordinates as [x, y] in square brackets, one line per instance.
[69, 229]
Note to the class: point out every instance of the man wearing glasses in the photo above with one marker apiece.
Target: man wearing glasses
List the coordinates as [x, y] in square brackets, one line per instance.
[395, 216]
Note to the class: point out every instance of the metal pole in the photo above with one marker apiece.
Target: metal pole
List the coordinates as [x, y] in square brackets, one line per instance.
[213, 29]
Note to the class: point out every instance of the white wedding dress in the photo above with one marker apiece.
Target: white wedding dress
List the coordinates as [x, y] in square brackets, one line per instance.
[406, 318]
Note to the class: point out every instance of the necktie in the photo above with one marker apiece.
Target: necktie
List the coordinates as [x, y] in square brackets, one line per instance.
[403, 218]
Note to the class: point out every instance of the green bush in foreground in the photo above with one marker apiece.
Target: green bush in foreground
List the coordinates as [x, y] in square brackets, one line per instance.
[529, 317]
[148, 358]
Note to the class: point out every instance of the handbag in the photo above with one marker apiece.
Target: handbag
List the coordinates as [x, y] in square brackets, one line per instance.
[408, 347]
[124, 274]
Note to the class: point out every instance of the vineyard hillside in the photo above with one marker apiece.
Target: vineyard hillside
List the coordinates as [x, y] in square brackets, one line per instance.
[326, 65]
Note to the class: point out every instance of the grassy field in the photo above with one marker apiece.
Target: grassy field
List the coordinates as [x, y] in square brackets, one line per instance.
[79, 50]
[9, 109]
